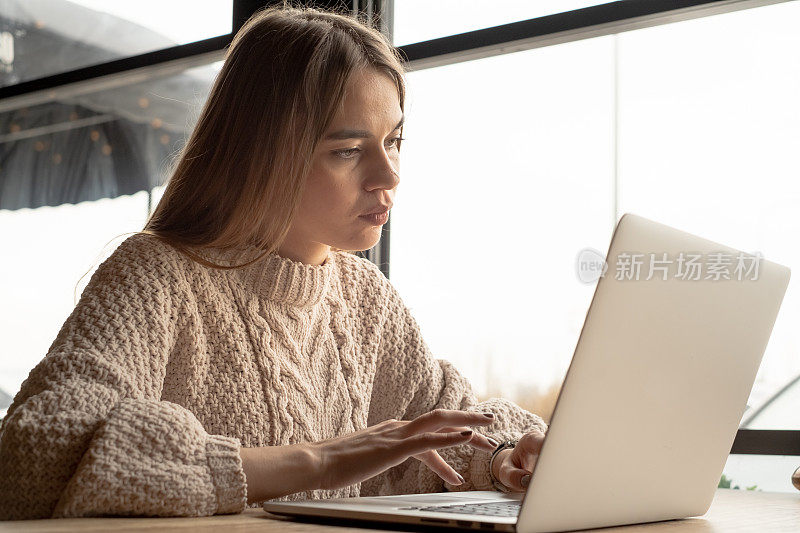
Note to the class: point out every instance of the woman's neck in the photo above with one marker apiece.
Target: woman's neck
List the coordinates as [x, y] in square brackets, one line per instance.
[309, 253]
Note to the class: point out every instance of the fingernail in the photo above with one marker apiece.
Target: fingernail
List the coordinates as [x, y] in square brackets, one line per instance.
[493, 442]
[467, 432]
[525, 480]
[460, 478]
[488, 415]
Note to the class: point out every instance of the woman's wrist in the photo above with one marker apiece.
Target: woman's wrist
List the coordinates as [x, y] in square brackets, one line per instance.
[275, 471]
[498, 460]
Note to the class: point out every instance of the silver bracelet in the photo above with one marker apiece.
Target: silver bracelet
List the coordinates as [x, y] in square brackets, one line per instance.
[496, 483]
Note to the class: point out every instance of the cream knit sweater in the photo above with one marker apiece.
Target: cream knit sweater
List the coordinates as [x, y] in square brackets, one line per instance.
[166, 367]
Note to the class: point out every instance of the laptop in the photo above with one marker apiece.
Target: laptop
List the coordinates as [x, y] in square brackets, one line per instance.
[649, 406]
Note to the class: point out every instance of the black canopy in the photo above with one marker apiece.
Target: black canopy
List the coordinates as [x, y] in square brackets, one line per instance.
[98, 145]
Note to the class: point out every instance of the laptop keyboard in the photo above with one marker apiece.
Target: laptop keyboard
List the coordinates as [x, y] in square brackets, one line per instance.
[509, 508]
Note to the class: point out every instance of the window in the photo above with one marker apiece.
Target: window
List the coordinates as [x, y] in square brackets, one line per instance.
[45, 251]
[779, 411]
[506, 174]
[421, 20]
[508, 171]
[768, 473]
[709, 122]
[44, 37]
[513, 164]
[110, 144]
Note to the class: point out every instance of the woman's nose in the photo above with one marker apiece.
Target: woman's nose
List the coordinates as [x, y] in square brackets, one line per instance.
[386, 172]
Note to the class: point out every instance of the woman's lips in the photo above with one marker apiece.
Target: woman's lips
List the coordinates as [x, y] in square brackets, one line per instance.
[376, 219]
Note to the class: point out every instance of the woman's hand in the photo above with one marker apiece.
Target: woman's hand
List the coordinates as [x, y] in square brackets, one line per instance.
[513, 466]
[352, 458]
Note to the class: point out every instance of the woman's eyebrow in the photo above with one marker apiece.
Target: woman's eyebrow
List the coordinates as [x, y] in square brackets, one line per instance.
[356, 134]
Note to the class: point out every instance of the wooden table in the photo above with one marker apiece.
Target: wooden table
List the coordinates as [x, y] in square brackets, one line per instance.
[732, 510]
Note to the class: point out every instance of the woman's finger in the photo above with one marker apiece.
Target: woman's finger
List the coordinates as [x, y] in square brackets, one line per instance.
[439, 418]
[527, 450]
[422, 442]
[531, 442]
[479, 441]
[527, 461]
[434, 461]
[483, 442]
[512, 476]
[523, 459]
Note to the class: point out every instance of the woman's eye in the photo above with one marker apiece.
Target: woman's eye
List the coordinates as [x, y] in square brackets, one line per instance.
[397, 141]
[348, 153]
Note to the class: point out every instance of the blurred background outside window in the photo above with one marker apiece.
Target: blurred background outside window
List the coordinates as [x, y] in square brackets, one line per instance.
[508, 171]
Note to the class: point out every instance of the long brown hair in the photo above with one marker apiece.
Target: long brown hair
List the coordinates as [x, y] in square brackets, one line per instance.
[239, 178]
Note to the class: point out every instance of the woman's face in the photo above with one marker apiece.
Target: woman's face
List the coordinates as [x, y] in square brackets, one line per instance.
[354, 171]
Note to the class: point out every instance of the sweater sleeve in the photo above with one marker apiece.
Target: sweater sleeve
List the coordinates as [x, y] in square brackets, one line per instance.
[409, 381]
[87, 434]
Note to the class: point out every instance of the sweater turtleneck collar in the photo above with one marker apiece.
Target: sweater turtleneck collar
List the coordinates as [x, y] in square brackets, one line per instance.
[276, 278]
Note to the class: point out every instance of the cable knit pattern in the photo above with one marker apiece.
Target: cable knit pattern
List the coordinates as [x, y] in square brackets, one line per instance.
[166, 367]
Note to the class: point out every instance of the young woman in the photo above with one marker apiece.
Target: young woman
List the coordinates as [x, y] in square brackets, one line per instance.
[235, 351]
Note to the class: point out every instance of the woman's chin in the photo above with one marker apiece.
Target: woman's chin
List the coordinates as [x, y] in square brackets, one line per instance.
[365, 243]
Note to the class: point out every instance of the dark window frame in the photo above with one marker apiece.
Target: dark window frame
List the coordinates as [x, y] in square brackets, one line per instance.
[594, 21]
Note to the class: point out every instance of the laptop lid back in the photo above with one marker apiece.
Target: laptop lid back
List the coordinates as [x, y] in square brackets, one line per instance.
[658, 383]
